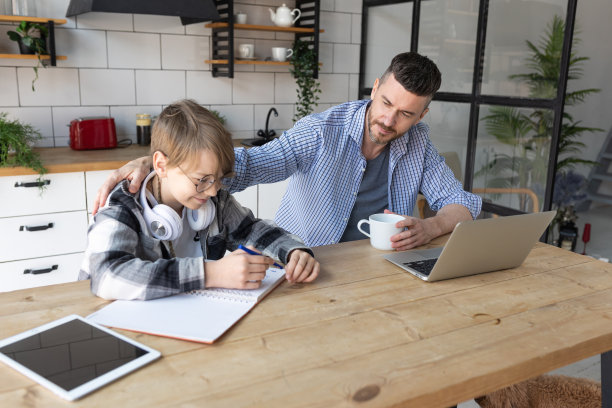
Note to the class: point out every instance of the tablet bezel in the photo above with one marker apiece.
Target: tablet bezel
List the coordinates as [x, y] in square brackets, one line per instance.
[91, 385]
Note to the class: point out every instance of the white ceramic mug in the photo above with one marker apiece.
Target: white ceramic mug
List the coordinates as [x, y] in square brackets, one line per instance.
[240, 18]
[382, 228]
[246, 50]
[281, 53]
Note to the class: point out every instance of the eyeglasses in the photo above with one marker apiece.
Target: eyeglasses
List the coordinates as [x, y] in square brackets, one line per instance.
[204, 183]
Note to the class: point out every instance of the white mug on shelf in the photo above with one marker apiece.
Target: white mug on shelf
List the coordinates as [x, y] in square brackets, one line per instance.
[246, 50]
[382, 228]
[281, 53]
[240, 18]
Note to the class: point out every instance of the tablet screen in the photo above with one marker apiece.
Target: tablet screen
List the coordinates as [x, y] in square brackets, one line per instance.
[72, 353]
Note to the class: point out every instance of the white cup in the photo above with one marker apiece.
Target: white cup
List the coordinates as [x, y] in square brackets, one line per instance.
[281, 53]
[246, 50]
[240, 18]
[382, 228]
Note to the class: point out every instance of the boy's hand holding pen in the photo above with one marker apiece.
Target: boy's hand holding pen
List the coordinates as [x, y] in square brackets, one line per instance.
[302, 267]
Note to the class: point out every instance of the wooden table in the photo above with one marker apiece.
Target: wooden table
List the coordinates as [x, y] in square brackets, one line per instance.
[365, 334]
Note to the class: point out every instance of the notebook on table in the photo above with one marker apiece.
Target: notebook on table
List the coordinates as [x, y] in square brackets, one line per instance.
[476, 247]
[200, 316]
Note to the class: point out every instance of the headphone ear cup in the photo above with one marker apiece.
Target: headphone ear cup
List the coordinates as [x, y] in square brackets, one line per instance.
[166, 223]
[203, 216]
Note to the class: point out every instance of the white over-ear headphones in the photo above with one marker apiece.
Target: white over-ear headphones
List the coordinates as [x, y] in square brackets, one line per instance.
[164, 223]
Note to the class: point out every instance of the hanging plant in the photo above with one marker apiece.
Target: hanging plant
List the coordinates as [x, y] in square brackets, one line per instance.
[32, 39]
[303, 65]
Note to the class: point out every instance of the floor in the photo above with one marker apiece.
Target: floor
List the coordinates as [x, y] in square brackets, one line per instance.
[600, 245]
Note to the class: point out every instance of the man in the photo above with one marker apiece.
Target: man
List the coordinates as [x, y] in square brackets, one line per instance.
[353, 160]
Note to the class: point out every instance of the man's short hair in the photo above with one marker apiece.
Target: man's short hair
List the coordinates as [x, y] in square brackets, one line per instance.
[416, 73]
[184, 129]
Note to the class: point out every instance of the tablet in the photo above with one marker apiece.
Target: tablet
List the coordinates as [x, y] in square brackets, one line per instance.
[72, 356]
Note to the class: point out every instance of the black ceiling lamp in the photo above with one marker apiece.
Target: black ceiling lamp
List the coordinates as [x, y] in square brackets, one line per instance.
[190, 11]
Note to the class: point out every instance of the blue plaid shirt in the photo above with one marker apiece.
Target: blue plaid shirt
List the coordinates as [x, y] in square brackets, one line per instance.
[322, 154]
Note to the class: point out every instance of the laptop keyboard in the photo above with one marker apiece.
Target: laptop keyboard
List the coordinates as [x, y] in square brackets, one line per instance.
[423, 267]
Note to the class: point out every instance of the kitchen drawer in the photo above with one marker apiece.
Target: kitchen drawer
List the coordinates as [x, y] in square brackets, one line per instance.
[93, 181]
[39, 272]
[42, 235]
[22, 196]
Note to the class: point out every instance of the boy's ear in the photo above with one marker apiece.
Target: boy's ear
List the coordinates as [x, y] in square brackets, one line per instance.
[160, 163]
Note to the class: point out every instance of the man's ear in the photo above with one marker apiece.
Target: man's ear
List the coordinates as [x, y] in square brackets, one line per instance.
[160, 164]
[374, 88]
[423, 114]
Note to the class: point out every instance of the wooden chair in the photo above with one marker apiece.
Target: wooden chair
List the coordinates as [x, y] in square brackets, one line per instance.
[453, 161]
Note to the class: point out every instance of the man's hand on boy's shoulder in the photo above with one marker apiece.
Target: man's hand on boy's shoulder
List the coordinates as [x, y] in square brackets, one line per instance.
[302, 267]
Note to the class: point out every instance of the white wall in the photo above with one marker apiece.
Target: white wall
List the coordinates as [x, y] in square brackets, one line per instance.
[123, 64]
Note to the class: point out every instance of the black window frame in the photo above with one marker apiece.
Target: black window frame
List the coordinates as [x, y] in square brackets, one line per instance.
[476, 98]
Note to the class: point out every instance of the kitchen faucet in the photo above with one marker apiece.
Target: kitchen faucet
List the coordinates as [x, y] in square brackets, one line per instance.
[268, 134]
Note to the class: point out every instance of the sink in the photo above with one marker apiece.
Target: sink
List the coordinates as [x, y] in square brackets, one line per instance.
[254, 142]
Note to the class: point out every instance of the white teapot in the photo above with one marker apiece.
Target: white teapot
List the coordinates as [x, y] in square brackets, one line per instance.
[284, 16]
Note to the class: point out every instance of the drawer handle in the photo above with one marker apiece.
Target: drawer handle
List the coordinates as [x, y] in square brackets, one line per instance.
[40, 271]
[37, 228]
[34, 183]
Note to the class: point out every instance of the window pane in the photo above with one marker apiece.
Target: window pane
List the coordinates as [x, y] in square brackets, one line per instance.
[448, 123]
[512, 153]
[388, 35]
[448, 36]
[510, 25]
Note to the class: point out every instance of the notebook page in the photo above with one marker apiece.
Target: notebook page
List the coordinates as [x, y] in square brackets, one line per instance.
[273, 275]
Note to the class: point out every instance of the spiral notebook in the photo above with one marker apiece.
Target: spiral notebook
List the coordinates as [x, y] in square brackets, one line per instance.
[200, 316]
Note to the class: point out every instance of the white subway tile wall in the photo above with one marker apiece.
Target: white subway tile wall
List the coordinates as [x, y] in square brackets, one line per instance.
[124, 64]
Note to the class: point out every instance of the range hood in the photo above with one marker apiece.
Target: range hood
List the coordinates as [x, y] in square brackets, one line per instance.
[190, 11]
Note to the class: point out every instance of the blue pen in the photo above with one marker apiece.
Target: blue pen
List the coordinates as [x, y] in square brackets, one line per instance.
[250, 251]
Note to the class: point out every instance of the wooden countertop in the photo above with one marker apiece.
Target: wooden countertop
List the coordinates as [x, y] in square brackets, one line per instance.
[65, 160]
[364, 334]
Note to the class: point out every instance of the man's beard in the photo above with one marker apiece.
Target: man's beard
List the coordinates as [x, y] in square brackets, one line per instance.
[373, 138]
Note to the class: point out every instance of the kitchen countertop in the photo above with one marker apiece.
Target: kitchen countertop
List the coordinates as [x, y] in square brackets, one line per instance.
[65, 160]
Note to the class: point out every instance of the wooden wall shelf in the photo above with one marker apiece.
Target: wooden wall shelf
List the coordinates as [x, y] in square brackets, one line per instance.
[222, 58]
[247, 62]
[51, 23]
[42, 20]
[295, 30]
[32, 56]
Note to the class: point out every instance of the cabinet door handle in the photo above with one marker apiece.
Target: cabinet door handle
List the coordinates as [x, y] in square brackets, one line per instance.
[34, 183]
[40, 271]
[37, 228]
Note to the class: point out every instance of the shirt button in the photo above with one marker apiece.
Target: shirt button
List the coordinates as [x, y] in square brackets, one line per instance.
[355, 193]
[363, 169]
[346, 219]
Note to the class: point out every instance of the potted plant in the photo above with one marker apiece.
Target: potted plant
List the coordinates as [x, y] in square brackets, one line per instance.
[32, 39]
[303, 65]
[16, 140]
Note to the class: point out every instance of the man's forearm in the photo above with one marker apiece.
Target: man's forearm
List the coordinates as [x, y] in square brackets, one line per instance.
[446, 219]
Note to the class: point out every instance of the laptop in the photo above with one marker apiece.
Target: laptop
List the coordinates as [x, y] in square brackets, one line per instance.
[477, 246]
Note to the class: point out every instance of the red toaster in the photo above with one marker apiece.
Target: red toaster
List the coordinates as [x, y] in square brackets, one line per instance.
[93, 133]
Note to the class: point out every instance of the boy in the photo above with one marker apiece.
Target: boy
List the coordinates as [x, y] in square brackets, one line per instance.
[154, 243]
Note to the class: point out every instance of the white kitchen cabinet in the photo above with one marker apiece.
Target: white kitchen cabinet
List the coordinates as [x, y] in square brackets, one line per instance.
[22, 196]
[35, 272]
[270, 196]
[93, 181]
[37, 225]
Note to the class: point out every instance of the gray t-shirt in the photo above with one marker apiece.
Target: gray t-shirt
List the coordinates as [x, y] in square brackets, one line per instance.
[372, 196]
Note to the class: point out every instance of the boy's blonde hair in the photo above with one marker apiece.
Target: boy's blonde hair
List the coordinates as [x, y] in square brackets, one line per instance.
[185, 128]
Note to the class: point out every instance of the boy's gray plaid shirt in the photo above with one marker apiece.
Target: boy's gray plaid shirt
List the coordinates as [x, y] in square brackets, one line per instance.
[124, 261]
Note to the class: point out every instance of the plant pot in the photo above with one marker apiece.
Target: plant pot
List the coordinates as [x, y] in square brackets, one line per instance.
[24, 49]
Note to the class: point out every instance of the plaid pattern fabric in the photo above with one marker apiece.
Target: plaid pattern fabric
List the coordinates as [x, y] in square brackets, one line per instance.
[124, 261]
[322, 154]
